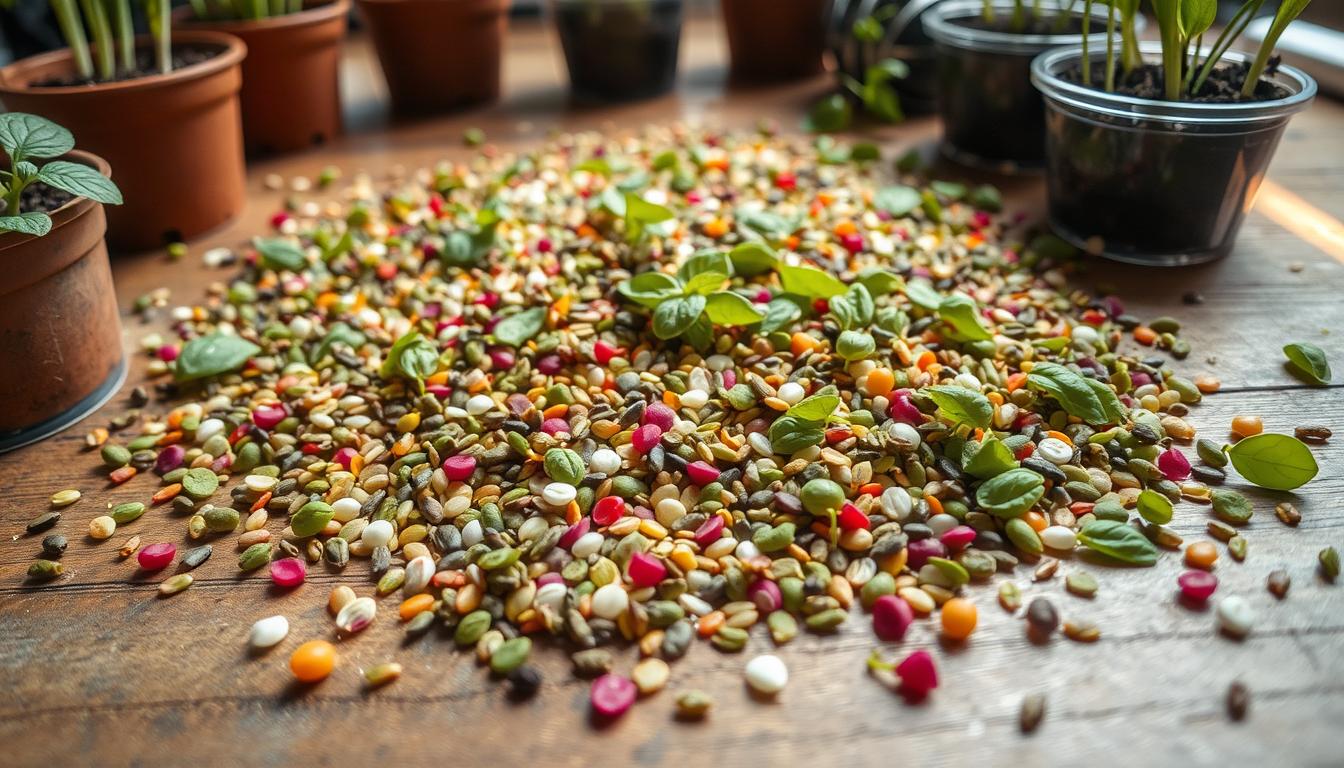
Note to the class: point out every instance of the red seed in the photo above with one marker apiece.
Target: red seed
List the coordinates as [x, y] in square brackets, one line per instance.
[612, 695]
[1197, 586]
[850, 518]
[608, 510]
[645, 570]
[288, 572]
[604, 352]
[576, 530]
[156, 557]
[709, 531]
[892, 616]
[1173, 465]
[646, 437]
[959, 537]
[917, 673]
[702, 472]
[459, 468]
[659, 415]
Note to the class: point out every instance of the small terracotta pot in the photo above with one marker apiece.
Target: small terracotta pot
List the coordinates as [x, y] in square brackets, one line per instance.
[176, 139]
[291, 93]
[773, 41]
[60, 338]
[438, 55]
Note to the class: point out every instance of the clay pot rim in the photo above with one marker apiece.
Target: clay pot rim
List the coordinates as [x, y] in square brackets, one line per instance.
[68, 212]
[183, 19]
[502, 4]
[14, 77]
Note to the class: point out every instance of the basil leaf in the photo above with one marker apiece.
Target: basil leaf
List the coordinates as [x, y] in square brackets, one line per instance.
[1280, 462]
[728, 308]
[960, 405]
[879, 281]
[413, 357]
[751, 259]
[897, 200]
[1119, 541]
[1154, 507]
[280, 254]
[818, 407]
[81, 181]
[855, 345]
[923, 295]
[832, 113]
[854, 308]
[23, 136]
[948, 190]
[674, 316]
[986, 197]
[650, 288]
[702, 262]
[1010, 494]
[212, 355]
[33, 223]
[963, 315]
[763, 226]
[1088, 399]
[790, 434]
[780, 313]
[517, 330]
[640, 213]
[701, 333]
[705, 283]
[810, 282]
[340, 333]
[1308, 362]
[986, 459]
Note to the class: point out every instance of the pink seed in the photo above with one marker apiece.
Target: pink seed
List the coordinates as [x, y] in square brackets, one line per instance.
[903, 410]
[892, 616]
[766, 595]
[645, 570]
[919, 552]
[612, 695]
[550, 365]
[1197, 586]
[439, 391]
[659, 415]
[550, 577]
[702, 472]
[156, 557]
[344, 456]
[169, 458]
[459, 468]
[917, 673]
[604, 352]
[1174, 465]
[709, 531]
[268, 416]
[167, 353]
[288, 572]
[958, 537]
[576, 530]
[501, 358]
[646, 437]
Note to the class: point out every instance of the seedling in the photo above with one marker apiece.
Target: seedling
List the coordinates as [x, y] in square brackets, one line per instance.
[244, 10]
[110, 25]
[875, 93]
[28, 138]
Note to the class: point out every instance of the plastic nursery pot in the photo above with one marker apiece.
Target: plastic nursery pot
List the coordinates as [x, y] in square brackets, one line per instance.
[175, 139]
[60, 338]
[290, 96]
[1156, 182]
[619, 50]
[992, 116]
[438, 55]
[770, 41]
[903, 38]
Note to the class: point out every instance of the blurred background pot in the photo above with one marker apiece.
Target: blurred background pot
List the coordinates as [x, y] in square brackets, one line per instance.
[772, 41]
[619, 50]
[176, 139]
[60, 336]
[290, 97]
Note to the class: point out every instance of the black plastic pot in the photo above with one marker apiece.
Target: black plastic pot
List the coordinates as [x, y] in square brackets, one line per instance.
[619, 50]
[1156, 182]
[903, 38]
[992, 116]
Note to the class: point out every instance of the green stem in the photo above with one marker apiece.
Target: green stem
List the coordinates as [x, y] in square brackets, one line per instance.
[125, 33]
[1194, 63]
[297, 5]
[277, 8]
[1087, 27]
[1228, 36]
[1065, 13]
[1019, 21]
[200, 9]
[987, 11]
[1287, 11]
[1110, 51]
[12, 195]
[72, 29]
[1129, 40]
[257, 9]
[161, 28]
[103, 48]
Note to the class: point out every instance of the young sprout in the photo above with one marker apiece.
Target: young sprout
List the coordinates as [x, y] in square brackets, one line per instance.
[1288, 11]
[27, 138]
[113, 35]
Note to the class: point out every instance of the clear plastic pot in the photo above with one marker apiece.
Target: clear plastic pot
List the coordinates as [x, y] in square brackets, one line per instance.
[992, 116]
[1156, 182]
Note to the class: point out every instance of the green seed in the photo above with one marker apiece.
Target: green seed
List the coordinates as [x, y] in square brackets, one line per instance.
[391, 581]
[774, 539]
[827, 620]
[783, 627]
[1211, 453]
[1237, 547]
[255, 557]
[881, 584]
[174, 584]
[200, 483]
[311, 518]
[45, 570]
[1081, 583]
[1023, 536]
[498, 558]
[1329, 559]
[115, 456]
[382, 674]
[510, 655]
[693, 705]
[221, 519]
[1231, 507]
[730, 639]
[471, 627]
[128, 511]
[951, 570]
[1010, 596]
[820, 495]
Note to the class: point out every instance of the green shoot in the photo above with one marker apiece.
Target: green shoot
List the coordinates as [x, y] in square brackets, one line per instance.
[160, 14]
[1019, 20]
[103, 49]
[277, 8]
[1110, 51]
[987, 11]
[72, 29]
[1063, 15]
[1288, 10]
[1168, 13]
[1229, 35]
[123, 28]
[1196, 17]
[1087, 29]
[25, 138]
[1130, 58]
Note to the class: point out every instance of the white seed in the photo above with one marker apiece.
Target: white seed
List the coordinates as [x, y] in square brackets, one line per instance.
[356, 615]
[479, 404]
[268, 631]
[767, 674]
[605, 461]
[588, 544]
[1085, 334]
[418, 573]
[896, 503]
[1235, 616]
[346, 509]
[747, 550]
[1059, 538]
[904, 433]
[694, 399]
[551, 596]
[260, 483]
[694, 605]
[472, 534]
[208, 429]
[670, 510]
[377, 534]
[1055, 451]
[942, 524]
[791, 392]
[558, 494]
[610, 601]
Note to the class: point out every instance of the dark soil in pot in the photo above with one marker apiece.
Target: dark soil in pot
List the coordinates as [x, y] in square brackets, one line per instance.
[144, 67]
[619, 50]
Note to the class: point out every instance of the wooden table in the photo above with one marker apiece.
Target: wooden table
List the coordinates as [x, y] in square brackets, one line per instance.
[98, 671]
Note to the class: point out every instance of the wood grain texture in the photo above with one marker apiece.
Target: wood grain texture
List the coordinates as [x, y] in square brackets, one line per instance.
[100, 671]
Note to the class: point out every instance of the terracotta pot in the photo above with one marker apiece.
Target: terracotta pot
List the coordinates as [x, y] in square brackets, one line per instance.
[291, 96]
[773, 41]
[438, 55]
[60, 338]
[176, 139]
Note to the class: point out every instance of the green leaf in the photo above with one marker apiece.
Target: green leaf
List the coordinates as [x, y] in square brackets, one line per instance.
[864, 151]
[674, 316]
[705, 283]
[948, 190]
[1309, 362]
[855, 345]
[1154, 507]
[81, 181]
[23, 136]
[854, 308]
[700, 334]
[598, 165]
[751, 259]
[1090, 400]
[764, 225]
[986, 197]
[987, 459]
[879, 281]
[924, 295]
[780, 313]
[24, 169]
[1010, 494]
[517, 330]
[818, 407]
[339, 333]
[962, 314]
[705, 261]
[280, 254]
[212, 355]
[928, 201]
[897, 200]
[1280, 462]
[960, 405]
[810, 282]
[728, 308]
[650, 288]
[1197, 16]
[412, 357]
[640, 214]
[790, 434]
[1119, 541]
[832, 113]
[34, 223]
[665, 161]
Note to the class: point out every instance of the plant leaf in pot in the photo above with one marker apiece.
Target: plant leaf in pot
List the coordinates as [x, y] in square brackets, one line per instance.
[619, 50]
[60, 337]
[864, 33]
[1158, 160]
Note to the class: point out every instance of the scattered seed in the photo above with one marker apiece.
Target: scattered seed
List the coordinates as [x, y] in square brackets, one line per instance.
[1278, 583]
[381, 674]
[45, 570]
[767, 674]
[65, 498]
[1238, 701]
[1081, 583]
[693, 704]
[1033, 710]
[1082, 631]
[1329, 560]
[1235, 616]
[174, 584]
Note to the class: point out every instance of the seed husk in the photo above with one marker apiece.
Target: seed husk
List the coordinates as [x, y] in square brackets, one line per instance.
[129, 547]
[1287, 513]
[254, 557]
[1081, 630]
[1010, 597]
[43, 521]
[197, 555]
[54, 545]
[693, 704]
[1081, 583]
[65, 498]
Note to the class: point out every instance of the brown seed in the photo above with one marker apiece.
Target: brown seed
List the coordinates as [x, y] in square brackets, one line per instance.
[1033, 709]
[1082, 631]
[1046, 569]
[1042, 617]
[1287, 513]
[1278, 583]
[1314, 433]
[1238, 700]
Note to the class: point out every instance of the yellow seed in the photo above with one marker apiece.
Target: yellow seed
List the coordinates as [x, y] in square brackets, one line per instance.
[651, 675]
[102, 527]
[339, 598]
[65, 498]
[918, 599]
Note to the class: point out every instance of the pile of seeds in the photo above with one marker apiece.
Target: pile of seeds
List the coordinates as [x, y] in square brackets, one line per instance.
[646, 389]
